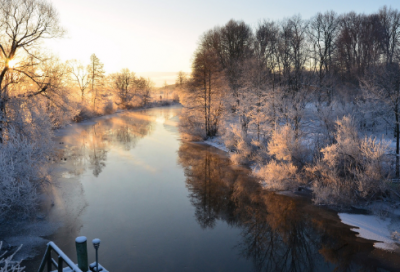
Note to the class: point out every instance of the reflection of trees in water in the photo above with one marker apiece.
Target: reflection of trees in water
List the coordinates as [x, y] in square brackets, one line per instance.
[129, 129]
[279, 233]
[206, 184]
[90, 146]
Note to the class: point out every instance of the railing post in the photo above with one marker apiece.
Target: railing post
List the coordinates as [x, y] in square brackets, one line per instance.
[44, 260]
[49, 262]
[81, 251]
[60, 264]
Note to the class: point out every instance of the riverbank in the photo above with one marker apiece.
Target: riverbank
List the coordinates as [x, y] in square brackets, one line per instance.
[378, 221]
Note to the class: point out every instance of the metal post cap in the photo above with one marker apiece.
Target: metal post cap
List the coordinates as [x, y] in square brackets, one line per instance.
[96, 242]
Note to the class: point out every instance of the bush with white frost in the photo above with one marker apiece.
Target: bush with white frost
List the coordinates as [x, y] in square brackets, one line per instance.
[287, 153]
[278, 175]
[22, 172]
[352, 168]
[239, 142]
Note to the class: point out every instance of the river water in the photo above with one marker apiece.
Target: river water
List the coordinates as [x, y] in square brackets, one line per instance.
[160, 204]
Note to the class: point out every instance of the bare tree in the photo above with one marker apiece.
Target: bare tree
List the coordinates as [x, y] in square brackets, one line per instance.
[80, 75]
[147, 87]
[390, 40]
[207, 81]
[181, 78]
[24, 24]
[323, 31]
[124, 83]
[96, 75]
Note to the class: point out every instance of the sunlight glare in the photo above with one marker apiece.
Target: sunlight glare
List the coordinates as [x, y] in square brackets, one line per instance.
[12, 63]
[160, 120]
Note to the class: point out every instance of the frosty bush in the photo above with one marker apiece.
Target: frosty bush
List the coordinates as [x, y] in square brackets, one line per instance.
[350, 169]
[239, 142]
[287, 156]
[288, 145]
[283, 145]
[7, 264]
[22, 171]
[278, 175]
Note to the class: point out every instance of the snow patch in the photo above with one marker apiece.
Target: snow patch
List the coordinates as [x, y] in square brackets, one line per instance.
[217, 143]
[374, 228]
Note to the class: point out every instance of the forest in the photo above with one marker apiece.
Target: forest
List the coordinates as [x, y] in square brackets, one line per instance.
[309, 104]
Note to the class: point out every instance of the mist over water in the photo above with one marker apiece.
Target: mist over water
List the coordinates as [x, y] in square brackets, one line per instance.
[160, 204]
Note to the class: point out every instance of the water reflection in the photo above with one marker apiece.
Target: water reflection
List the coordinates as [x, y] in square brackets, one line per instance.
[88, 146]
[279, 233]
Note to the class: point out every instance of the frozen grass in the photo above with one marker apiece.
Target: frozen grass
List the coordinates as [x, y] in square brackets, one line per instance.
[372, 227]
[7, 264]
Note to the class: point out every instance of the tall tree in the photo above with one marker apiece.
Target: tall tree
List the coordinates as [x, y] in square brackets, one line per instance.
[80, 76]
[24, 24]
[124, 83]
[323, 30]
[207, 81]
[96, 75]
[180, 79]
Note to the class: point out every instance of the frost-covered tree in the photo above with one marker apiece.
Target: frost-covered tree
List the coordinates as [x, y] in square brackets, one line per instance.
[96, 73]
[206, 89]
[381, 88]
[124, 83]
[24, 24]
[80, 76]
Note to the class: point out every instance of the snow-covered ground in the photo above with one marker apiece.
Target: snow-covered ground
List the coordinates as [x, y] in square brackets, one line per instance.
[217, 142]
[384, 231]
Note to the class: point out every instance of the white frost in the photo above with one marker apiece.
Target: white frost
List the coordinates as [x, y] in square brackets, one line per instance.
[372, 228]
[217, 143]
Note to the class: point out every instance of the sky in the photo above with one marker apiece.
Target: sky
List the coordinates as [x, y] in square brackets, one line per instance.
[157, 38]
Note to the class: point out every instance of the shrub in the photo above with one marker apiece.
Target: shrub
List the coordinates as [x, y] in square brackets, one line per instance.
[278, 175]
[22, 171]
[350, 169]
[239, 143]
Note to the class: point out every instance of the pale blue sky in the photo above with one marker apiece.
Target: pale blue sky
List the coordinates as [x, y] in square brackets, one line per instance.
[161, 36]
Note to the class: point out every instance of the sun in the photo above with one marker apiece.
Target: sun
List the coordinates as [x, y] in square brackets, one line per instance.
[12, 63]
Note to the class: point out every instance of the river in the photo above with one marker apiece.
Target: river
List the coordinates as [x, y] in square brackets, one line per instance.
[160, 204]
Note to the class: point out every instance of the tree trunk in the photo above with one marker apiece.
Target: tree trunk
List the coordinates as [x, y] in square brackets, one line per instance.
[2, 118]
[205, 104]
[3, 97]
[211, 129]
[397, 140]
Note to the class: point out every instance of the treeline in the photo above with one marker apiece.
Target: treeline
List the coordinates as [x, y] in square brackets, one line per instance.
[39, 93]
[303, 99]
[99, 93]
